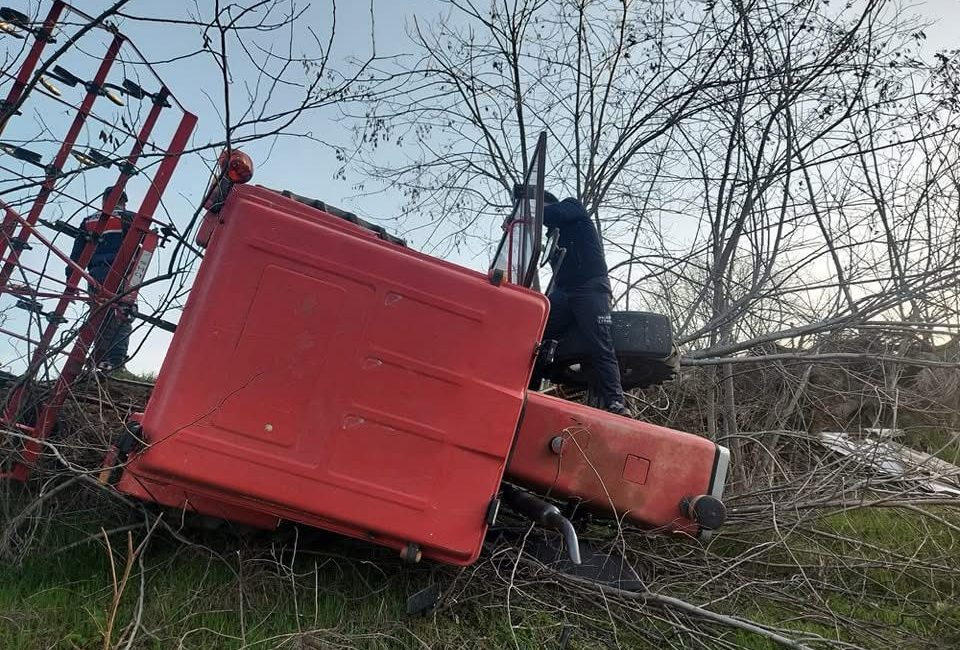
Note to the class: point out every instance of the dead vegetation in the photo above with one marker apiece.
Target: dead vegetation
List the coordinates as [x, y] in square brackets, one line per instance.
[822, 550]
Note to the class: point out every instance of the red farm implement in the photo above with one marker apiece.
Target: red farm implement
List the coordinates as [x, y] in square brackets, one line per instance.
[45, 166]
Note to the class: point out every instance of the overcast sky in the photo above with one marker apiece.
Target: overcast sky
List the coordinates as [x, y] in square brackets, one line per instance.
[297, 164]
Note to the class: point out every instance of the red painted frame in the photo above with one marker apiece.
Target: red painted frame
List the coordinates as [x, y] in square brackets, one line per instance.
[114, 289]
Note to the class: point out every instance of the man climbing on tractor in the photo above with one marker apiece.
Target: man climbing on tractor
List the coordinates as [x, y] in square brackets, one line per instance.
[581, 295]
[110, 348]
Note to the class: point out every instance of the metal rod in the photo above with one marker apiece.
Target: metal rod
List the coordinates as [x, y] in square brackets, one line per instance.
[74, 364]
[47, 186]
[18, 336]
[49, 244]
[30, 63]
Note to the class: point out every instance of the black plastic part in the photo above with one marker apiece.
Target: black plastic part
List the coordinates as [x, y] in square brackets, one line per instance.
[160, 97]
[22, 21]
[157, 322]
[644, 345]
[547, 352]
[98, 157]
[25, 155]
[70, 230]
[411, 553]
[128, 443]
[134, 89]
[600, 565]
[556, 445]
[546, 515]
[19, 244]
[30, 305]
[496, 277]
[424, 601]
[6, 109]
[127, 169]
[65, 76]
[345, 215]
[54, 317]
[492, 511]
[17, 18]
[706, 510]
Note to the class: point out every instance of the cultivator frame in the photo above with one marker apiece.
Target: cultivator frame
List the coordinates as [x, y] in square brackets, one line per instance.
[18, 232]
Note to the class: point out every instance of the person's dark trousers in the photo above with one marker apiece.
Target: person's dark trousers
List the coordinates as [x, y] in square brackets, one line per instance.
[113, 339]
[587, 308]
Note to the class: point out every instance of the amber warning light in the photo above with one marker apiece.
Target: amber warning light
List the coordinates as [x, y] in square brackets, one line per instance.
[239, 167]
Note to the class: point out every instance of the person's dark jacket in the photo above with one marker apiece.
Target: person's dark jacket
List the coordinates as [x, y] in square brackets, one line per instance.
[109, 245]
[584, 262]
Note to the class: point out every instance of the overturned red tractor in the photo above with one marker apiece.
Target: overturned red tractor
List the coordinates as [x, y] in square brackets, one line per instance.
[324, 373]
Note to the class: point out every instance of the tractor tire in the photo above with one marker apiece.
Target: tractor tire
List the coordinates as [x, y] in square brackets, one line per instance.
[644, 345]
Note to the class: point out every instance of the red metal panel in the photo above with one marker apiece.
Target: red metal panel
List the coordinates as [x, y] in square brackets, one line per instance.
[176, 497]
[614, 464]
[328, 377]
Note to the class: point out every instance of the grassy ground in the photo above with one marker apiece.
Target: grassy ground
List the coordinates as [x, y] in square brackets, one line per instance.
[938, 442]
[873, 578]
[334, 593]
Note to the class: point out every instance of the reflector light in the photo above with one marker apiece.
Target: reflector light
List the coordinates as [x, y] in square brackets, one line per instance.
[113, 97]
[10, 29]
[240, 167]
[49, 86]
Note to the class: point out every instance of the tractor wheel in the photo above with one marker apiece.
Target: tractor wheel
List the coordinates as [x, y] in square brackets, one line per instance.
[644, 345]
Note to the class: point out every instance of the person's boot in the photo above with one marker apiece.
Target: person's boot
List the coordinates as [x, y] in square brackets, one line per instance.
[620, 409]
[105, 367]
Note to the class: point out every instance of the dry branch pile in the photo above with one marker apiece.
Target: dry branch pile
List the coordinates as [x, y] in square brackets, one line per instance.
[821, 550]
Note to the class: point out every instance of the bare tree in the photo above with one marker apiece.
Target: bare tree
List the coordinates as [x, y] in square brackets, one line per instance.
[759, 170]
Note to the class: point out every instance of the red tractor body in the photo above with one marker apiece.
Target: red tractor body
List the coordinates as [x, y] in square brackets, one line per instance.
[324, 375]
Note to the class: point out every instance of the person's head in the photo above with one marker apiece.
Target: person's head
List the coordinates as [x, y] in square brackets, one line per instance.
[121, 202]
[549, 198]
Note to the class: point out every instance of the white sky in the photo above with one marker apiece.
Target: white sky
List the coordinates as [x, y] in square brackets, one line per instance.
[296, 164]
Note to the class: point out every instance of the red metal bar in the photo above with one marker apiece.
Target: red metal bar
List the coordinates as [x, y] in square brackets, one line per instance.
[61, 157]
[151, 200]
[111, 202]
[121, 264]
[46, 242]
[30, 63]
[16, 92]
[16, 398]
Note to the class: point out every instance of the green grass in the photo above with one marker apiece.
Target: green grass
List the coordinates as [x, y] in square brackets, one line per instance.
[338, 592]
[873, 579]
[341, 593]
[945, 445]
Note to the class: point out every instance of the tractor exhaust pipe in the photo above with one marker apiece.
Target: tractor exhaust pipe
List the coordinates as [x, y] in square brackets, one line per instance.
[544, 514]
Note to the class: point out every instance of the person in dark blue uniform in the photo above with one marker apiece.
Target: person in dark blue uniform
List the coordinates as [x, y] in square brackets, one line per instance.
[110, 347]
[581, 296]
